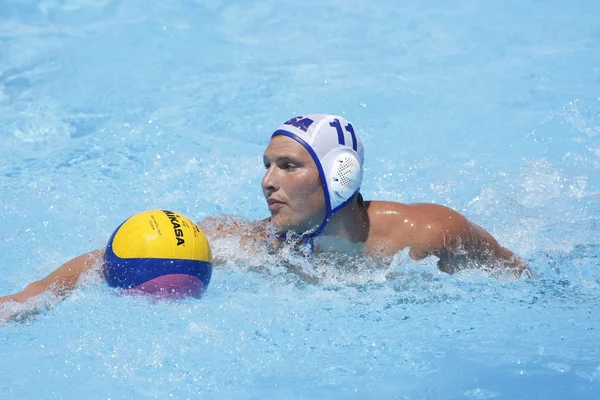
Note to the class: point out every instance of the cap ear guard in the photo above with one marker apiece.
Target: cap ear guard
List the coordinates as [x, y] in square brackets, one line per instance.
[344, 175]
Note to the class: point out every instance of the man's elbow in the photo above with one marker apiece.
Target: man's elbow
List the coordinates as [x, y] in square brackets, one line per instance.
[515, 264]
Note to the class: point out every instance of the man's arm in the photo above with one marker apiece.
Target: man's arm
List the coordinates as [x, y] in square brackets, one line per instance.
[459, 243]
[478, 247]
[60, 281]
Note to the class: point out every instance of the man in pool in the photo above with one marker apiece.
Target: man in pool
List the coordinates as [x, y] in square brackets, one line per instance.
[314, 167]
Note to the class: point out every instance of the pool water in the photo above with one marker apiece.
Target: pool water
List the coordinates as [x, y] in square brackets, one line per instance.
[108, 108]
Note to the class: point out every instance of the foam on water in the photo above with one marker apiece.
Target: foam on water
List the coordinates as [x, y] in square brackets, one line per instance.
[110, 108]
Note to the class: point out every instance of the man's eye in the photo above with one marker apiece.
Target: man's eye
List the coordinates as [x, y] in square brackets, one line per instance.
[290, 166]
[267, 166]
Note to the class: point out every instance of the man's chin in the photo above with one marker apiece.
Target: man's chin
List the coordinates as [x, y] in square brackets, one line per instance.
[280, 226]
[283, 228]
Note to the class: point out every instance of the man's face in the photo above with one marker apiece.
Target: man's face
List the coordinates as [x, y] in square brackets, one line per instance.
[292, 186]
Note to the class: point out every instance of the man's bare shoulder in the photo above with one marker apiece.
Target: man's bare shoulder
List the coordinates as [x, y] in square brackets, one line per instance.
[384, 211]
[422, 226]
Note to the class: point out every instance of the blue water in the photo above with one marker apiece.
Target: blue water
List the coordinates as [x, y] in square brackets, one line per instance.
[108, 108]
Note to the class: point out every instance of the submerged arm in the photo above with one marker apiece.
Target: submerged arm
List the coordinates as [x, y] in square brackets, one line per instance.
[249, 234]
[459, 243]
[476, 245]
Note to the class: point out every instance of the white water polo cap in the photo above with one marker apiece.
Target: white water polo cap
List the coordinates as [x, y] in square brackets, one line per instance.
[338, 153]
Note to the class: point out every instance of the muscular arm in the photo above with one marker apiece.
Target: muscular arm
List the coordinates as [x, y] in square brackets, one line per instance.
[60, 281]
[459, 243]
[476, 245]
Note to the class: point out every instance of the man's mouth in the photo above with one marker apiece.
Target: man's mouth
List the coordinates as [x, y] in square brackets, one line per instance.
[274, 204]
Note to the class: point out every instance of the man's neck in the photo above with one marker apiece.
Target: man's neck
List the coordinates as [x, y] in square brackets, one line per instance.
[350, 223]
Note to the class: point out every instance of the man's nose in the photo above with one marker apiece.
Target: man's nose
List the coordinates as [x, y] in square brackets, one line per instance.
[269, 181]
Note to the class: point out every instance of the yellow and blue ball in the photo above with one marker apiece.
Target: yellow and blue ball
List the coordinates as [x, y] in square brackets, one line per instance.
[159, 252]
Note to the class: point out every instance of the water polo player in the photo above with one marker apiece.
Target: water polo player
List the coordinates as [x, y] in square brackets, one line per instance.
[314, 168]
